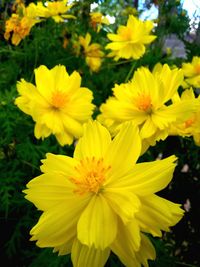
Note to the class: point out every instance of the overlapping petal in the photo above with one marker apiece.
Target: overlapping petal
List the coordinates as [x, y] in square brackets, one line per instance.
[88, 256]
[97, 218]
[94, 143]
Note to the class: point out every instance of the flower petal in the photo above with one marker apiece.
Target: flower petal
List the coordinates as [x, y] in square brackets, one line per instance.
[48, 190]
[127, 243]
[96, 219]
[130, 257]
[88, 256]
[124, 151]
[45, 82]
[94, 142]
[146, 252]
[59, 163]
[148, 128]
[57, 225]
[123, 202]
[158, 214]
[147, 178]
[64, 248]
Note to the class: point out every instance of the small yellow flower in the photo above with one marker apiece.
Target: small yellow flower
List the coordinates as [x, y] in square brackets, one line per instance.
[101, 200]
[191, 72]
[19, 25]
[145, 101]
[57, 103]
[130, 40]
[57, 10]
[97, 19]
[191, 126]
[93, 53]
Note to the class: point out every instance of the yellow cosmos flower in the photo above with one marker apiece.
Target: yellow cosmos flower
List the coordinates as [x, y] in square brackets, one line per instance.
[97, 19]
[130, 40]
[19, 25]
[145, 101]
[191, 126]
[56, 10]
[93, 53]
[100, 199]
[57, 103]
[191, 72]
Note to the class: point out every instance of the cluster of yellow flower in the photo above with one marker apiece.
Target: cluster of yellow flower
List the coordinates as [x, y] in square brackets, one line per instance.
[101, 200]
[24, 18]
[151, 100]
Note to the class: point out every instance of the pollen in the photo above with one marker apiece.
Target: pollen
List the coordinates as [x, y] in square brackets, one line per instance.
[59, 99]
[144, 103]
[91, 174]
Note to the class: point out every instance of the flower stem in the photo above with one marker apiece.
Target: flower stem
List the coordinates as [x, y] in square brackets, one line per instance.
[130, 71]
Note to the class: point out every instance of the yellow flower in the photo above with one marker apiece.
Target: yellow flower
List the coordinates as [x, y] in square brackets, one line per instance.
[93, 53]
[56, 10]
[100, 200]
[145, 101]
[191, 126]
[19, 25]
[130, 40]
[57, 103]
[97, 19]
[191, 72]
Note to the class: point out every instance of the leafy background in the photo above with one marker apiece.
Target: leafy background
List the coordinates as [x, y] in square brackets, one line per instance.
[21, 152]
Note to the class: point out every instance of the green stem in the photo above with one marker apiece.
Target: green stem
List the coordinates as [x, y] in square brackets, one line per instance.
[130, 71]
[185, 264]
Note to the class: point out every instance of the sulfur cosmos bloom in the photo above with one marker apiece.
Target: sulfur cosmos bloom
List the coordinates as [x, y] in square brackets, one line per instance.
[191, 72]
[101, 200]
[19, 25]
[93, 53]
[146, 100]
[57, 103]
[57, 10]
[191, 126]
[130, 40]
[97, 19]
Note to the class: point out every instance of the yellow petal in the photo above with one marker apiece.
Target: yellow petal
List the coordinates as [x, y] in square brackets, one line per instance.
[146, 252]
[127, 243]
[64, 138]
[57, 225]
[96, 219]
[59, 163]
[41, 130]
[45, 82]
[123, 202]
[124, 249]
[158, 214]
[94, 143]
[148, 128]
[53, 121]
[72, 126]
[147, 178]
[83, 256]
[64, 248]
[123, 152]
[61, 77]
[48, 190]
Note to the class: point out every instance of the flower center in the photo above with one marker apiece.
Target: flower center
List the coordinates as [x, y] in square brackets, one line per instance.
[197, 69]
[144, 103]
[127, 34]
[91, 173]
[59, 99]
